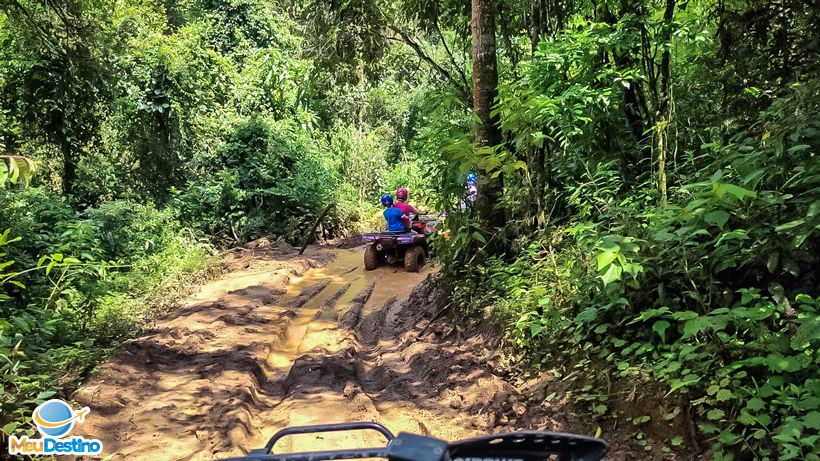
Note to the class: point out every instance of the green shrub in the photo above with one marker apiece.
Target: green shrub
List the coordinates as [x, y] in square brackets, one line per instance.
[714, 296]
[77, 285]
[269, 180]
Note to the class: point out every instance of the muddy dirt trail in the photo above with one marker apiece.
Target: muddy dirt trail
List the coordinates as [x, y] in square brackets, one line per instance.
[285, 340]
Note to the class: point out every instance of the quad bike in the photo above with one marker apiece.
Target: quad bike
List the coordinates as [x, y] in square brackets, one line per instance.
[513, 446]
[409, 248]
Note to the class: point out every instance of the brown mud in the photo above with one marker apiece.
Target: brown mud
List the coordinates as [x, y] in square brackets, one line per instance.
[285, 340]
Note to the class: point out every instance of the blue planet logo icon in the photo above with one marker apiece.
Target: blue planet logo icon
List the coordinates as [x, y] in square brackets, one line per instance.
[55, 418]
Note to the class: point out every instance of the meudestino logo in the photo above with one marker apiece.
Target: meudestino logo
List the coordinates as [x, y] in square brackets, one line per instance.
[54, 420]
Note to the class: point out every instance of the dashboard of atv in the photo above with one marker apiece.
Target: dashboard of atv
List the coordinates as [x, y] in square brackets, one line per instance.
[513, 446]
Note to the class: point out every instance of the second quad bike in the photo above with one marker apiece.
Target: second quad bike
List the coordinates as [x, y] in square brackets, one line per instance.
[409, 248]
[513, 446]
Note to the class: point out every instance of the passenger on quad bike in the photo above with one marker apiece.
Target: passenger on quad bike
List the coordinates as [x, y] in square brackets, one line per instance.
[398, 243]
[401, 202]
[407, 209]
[397, 221]
[471, 190]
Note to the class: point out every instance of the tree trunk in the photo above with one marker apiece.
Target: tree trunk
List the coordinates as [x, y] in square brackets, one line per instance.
[662, 108]
[635, 107]
[662, 150]
[485, 72]
[69, 167]
[485, 89]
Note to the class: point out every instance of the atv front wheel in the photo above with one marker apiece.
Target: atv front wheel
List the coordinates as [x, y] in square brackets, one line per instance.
[414, 259]
[371, 258]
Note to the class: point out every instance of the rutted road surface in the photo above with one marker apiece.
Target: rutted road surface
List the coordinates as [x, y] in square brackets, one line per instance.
[286, 340]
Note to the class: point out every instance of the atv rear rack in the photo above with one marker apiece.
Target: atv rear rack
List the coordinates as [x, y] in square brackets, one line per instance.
[513, 446]
[400, 238]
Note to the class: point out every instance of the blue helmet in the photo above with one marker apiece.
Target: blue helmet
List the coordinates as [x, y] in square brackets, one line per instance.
[387, 200]
[472, 177]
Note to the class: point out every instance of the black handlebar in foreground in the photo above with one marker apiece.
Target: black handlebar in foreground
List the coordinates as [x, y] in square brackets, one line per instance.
[513, 446]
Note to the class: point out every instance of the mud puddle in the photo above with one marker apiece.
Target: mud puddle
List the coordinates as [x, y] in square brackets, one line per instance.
[286, 340]
[283, 341]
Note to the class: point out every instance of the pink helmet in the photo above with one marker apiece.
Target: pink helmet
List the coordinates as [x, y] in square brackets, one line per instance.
[401, 193]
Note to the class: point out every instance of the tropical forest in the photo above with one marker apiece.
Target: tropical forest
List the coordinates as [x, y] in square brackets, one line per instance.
[621, 201]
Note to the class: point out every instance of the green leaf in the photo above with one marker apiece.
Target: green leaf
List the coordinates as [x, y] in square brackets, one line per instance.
[737, 234]
[605, 259]
[789, 225]
[587, 315]
[798, 148]
[677, 441]
[663, 235]
[738, 191]
[672, 415]
[10, 427]
[807, 333]
[812, 420]
[728, 438]
[716, 218]
[694, 326]
[519, 165]
[649, 314]
[685, 315]
[681, 383]
[613, 274]
[45, 394]
[660, 328]
[771, 262]
[779, 363]
[724, 395]
[641, 420]
[715, 414]
[14, 171]
[755, 404]
[746, 419]
[790, 266]
[707, 428]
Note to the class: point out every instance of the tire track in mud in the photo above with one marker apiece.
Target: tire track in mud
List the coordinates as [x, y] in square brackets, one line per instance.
[291, 341]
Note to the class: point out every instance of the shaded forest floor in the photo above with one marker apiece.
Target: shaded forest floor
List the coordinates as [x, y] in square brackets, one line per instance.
[282, 339]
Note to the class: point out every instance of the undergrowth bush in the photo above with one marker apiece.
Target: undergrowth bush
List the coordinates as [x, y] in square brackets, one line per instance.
[268, 180]
[714, 296]
[77, 285]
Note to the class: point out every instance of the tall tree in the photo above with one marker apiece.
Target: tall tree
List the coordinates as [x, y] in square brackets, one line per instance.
[59, 73]
[485, 90]
[659, 81]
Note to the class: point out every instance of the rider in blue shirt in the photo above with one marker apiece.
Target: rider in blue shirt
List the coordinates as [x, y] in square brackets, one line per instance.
[396, 220]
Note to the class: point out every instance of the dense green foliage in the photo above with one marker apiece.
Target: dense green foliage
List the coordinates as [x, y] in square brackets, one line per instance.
[658, 178]
[704, 280]
[158, 132]
[99, 271]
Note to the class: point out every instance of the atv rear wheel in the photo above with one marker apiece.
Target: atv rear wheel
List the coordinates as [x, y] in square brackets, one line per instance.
[414, 259]
[371, 258]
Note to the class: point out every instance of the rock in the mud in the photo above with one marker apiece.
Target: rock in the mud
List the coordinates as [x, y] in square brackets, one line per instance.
[519, 409]
[456, 402]
[258, 243]
[178, 333]
[350, 390]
